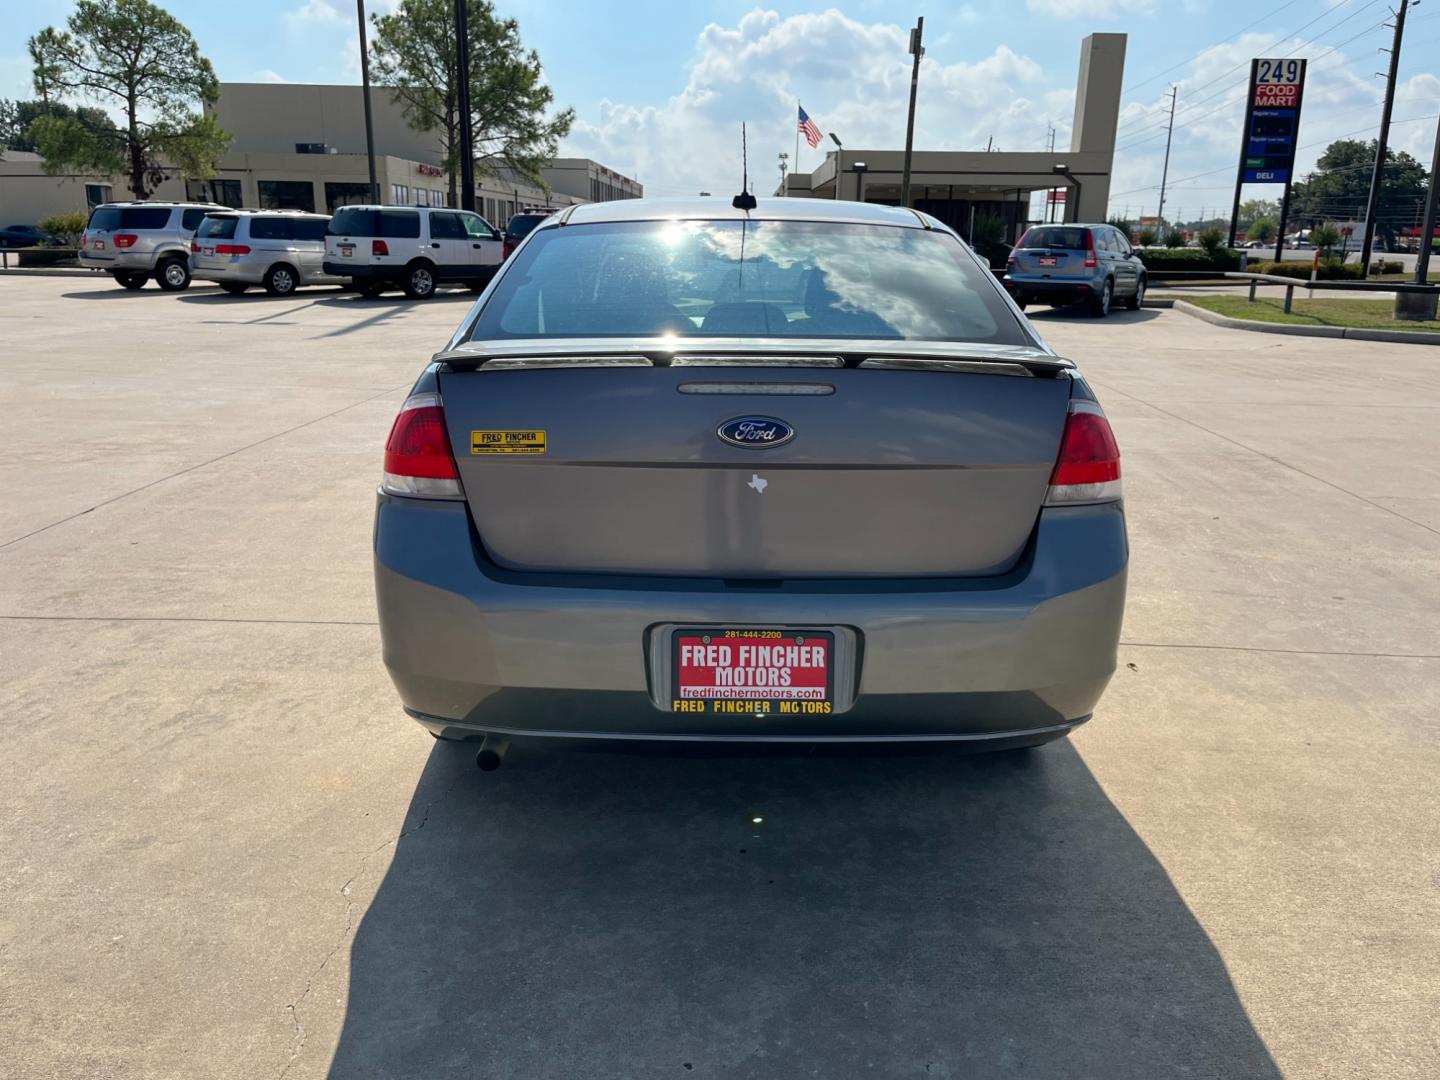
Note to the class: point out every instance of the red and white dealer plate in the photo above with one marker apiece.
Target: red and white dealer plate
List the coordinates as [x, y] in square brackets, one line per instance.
[782, 671]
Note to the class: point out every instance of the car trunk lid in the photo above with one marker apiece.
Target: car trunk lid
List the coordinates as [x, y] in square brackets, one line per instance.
[920, 460]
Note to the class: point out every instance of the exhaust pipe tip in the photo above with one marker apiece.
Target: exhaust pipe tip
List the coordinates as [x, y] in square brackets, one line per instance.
[491, 753]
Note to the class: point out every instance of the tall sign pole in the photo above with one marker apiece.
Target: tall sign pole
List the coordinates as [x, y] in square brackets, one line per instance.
[1378, 174]
[1427, 231]
[1272, 121]
[462, 105]
[917, 50]
[365, 92]
[1240, 168]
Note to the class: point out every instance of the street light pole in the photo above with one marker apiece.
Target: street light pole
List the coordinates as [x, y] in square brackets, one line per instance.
[365, 93]
[1165, 171]
[917, 50]
[462, 104]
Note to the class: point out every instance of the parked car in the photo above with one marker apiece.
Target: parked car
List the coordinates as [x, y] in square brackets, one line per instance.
[277, 249]
[411, 248]
[135, 241]
[1076, 264]
[520, 227]
[796, 474]
[24, 236]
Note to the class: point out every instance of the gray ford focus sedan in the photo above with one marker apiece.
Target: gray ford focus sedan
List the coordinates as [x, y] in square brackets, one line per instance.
[801, 472]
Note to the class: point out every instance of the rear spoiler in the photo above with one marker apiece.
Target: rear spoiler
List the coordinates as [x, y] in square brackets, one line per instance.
[812, 354]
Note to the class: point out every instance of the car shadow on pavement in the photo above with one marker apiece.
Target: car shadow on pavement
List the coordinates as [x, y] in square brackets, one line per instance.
[828, 913]
[1079, 312]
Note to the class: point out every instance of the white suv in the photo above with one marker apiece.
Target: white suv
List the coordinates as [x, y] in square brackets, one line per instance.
[411, 247]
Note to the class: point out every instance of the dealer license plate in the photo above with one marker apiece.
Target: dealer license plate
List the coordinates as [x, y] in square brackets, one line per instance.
[346, 250]
[209, 251]
[734, 670]
[1047, 260]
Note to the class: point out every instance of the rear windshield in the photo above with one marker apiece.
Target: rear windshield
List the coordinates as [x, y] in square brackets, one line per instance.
[521, 225]
[787, 279]
[1068, 237]
[355, 221]
[217, 228]
[110, 218]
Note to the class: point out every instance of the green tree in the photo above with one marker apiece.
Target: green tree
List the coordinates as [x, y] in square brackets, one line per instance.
[1212, 240]
[1326, 237]
[1261, 229]
[1252, 210]
[1174, 238]
[1340, 186]
[1124, 227]
[1145, 237]
[140, 58]
[17, 116]
[414, 53]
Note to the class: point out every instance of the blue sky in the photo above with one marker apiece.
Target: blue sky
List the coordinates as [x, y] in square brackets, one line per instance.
[660, 88]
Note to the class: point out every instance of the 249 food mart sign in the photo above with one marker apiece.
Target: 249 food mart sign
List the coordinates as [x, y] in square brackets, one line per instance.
[1272, 121]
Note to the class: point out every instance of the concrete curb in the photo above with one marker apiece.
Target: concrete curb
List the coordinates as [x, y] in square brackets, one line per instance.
[1162, 302]
[1408, 337]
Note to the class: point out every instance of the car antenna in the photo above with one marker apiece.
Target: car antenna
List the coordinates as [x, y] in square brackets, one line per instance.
[744, 201]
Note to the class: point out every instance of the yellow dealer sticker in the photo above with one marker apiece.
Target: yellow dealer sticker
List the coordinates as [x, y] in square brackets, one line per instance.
[507, 442]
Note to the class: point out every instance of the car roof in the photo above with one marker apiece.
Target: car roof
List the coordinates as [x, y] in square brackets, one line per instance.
[716, 208]
[168, 203]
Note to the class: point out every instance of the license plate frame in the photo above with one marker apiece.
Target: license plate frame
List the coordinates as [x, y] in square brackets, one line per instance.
[1047, 260]
[347, 250]
[764, 699]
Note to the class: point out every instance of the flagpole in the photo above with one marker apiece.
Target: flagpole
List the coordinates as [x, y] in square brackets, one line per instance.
[797, 137]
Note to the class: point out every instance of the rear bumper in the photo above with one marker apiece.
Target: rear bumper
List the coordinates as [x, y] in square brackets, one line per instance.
[114, 259]
[1051, 289]
[473, 648]
[248, 272]
[362, 271]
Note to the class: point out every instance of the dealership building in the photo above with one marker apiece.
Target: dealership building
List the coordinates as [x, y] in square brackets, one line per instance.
[958, 186]
[302, 146]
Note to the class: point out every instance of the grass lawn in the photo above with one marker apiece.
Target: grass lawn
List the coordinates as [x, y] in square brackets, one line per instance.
[1366, 314]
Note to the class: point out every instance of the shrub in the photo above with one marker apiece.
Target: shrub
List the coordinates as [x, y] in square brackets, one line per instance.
[988, 240]
[1212, 240]
[1330, 270]
[1190, 259]
[67, 226]
[1326, 237]
[1145, 237]
[1174, 238]
[50, 256]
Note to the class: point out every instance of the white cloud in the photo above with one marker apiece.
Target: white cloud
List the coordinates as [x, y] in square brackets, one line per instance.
[853, 78]
[1089, 9]
[329, 12]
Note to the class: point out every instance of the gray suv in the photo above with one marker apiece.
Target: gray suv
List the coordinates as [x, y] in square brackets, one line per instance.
[279, 250]
[1075, 264]
[135, 241]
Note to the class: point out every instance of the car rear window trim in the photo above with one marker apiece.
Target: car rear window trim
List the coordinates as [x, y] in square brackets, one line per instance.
[971, 367]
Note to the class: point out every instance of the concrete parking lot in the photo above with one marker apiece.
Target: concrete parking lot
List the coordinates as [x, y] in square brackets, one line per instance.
[224, 852]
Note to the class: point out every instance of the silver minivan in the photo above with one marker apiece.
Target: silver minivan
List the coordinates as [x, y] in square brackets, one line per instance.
[277, 249]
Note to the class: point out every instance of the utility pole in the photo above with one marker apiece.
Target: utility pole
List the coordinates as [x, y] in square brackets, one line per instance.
[1427, 231]
[1050, 194]
[1373, 206]
[784, 166]
[916, 50]
[365, 92]
[462, 105]
[1165, 172]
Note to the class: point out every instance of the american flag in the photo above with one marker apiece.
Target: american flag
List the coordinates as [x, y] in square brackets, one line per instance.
[809, 130]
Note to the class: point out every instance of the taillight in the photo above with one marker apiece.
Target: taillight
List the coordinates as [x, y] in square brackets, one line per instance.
[84, 239]
[1090, 261]
[1088, 468]
[232, 249]
[417, 454]
[124, 240]
[194, 247]
[379, 247]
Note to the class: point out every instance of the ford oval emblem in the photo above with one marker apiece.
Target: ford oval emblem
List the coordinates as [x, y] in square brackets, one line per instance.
[755, 432]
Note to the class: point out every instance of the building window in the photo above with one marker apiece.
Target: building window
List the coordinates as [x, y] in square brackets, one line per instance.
[224, 192]
[422, 196]
[95, 194]
[345, 194]
[287, 195]
[400, 194]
